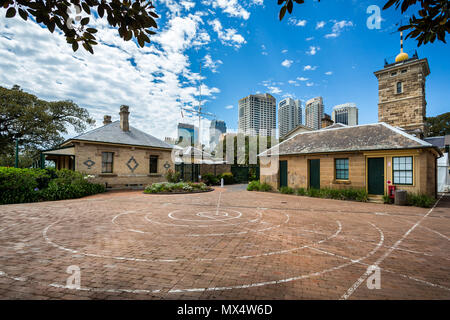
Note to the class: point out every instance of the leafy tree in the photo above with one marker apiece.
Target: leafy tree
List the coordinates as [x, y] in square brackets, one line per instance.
[432, 21]
[35, 123]
[439, 125]
[133, 18]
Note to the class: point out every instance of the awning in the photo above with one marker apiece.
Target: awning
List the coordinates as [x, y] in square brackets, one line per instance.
[61, 152]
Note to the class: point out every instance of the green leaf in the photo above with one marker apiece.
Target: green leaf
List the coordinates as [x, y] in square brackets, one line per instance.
[101, 11]
[290, 5]
[11, 12]
[23, 14]
[86, 8]
[91, 30]
[84, 21]
[282, 12]
[88, 47]
[75, 46]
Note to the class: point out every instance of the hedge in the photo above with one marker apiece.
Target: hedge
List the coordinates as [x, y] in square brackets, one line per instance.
[31, 185]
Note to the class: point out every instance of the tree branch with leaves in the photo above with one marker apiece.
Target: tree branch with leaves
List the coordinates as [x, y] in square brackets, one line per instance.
[133, 19]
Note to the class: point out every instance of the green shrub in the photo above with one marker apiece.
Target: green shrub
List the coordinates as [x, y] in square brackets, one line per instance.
[176, 187]
[210, 179]
[265, 187]
[313, 192]
[300, 192]
[420, 200]
[286, 190]
[254, 186]
[172, 176]
[387, 199]
[227, 178]
[30, 185]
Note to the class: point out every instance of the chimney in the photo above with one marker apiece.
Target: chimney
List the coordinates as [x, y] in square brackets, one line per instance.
[106, 120]
[124, 125]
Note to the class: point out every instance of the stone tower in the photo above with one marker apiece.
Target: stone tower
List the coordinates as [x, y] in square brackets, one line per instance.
[401, 93]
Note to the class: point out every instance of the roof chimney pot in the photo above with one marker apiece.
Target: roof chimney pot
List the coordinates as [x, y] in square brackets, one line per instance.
[124, 113]
[106, 120]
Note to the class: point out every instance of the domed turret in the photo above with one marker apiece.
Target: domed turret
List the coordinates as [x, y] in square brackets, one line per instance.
[402, 56]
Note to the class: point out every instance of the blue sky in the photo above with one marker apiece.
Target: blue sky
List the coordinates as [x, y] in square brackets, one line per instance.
[322, 49]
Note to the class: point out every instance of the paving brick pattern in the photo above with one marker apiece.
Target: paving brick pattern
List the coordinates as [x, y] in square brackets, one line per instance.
[225, 244]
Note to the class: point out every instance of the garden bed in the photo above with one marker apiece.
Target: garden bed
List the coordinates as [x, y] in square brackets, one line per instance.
[177, 188]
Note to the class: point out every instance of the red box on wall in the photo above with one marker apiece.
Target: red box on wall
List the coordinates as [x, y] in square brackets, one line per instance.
[391, 192]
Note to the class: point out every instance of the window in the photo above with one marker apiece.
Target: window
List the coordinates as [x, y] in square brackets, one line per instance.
[399, 87]
[393, 74]
[153, 164]
[107, 162]
[341, 169]
[404, 70]
[402, 170]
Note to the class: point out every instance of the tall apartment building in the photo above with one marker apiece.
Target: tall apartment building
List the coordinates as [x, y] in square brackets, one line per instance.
[216, 129]
[289, 115]
[314, 113]
[346, 113]
[257, 114]
[187, 135]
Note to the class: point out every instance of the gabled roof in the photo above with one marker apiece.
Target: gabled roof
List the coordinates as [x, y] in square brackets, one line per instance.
[377, 136]
[335, 125]
[112, 133]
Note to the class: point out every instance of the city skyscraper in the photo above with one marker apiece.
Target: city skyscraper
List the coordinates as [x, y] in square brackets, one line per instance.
[314, 113]
[187, 135]
[216, 129]
[346, 113]
[257, 114]
[289, 115]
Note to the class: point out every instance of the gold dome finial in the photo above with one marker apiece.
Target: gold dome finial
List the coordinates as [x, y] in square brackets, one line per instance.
[402, 56]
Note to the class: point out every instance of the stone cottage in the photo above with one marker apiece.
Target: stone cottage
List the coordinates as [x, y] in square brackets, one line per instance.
[115, 154]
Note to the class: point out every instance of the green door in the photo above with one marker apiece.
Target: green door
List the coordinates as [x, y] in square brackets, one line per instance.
[314, 173]
[375, 176]
[283, 173]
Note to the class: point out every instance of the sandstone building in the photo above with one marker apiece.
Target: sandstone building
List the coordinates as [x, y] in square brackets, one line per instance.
[116, 154]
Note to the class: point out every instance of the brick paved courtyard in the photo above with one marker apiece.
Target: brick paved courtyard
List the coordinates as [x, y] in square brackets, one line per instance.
[225, 244]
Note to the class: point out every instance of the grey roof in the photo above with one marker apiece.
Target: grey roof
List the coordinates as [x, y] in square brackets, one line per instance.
[378, 136]
[436, 141]
[111, 133]
[335, 125]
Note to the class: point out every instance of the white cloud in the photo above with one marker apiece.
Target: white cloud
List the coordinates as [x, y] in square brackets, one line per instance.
[302, 79]
[337, 28]
[309, 39]
[298, 23]
[264, 50]
[258, 2]
[274, 90]
[329, 73]
[188, 5]
[228, 37]
[284, 51]
[320, 24]
[287, 63]
[229, 107]
[209, 63]
[154, 81]
[308, 67]
[309, 84]
[292, 81]
[313, 50]
[231, 7]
